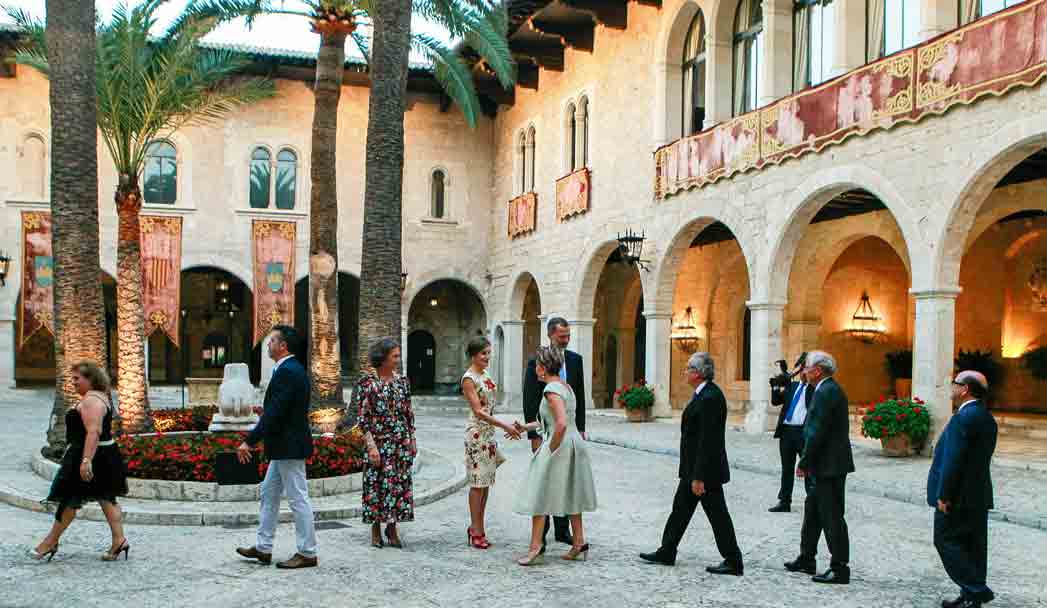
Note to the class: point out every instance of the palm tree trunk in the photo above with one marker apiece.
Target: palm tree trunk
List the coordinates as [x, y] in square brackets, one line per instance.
[324, 355]
[79, 313]
[130, 321]
[380, 298]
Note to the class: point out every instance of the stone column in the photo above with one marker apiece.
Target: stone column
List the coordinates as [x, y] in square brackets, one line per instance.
[543, 333]
[582, 343]
[626, 356]
[668, 92]
[512, 364]
[7, 353]
[659, 360]
[718, 78]
[403, 342]
[776, 65]
[850, 36]
[766, 348]
[937, 17]
[267, 364]
[933, 346]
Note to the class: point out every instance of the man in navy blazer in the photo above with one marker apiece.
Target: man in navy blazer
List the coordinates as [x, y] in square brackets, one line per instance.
[959, 487]
[284, 429]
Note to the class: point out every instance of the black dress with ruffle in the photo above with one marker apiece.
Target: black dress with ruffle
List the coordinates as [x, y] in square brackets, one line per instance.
[68, 490]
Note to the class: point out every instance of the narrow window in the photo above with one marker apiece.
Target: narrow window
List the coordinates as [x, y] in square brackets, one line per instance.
[437, 206]
[286, 178]
[694, 77]
[260, 178]
[160, 175]
[748, 51]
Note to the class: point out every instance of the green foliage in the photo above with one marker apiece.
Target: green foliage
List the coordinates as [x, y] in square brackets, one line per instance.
[892, 417]
[149, 87]
[980, 361]
[1035, 361]
[899, 364]
[637, 396]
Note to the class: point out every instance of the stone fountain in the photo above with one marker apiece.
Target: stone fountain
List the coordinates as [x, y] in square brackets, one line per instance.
[236, 397]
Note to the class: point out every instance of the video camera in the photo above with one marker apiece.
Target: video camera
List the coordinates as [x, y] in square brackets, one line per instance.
[782, 380]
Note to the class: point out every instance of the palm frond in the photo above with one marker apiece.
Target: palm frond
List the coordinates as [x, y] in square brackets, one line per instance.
[452, 74]
[486, 34]
[363, 43]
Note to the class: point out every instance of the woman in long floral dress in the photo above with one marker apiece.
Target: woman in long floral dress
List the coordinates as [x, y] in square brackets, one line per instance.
[383, 401]
[482, 456]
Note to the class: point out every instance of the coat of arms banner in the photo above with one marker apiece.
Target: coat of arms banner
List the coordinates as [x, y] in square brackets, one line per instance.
[523, 214]
[572, 194]
[990, 56]
[274, 252]
[38, 274]
[161, 274]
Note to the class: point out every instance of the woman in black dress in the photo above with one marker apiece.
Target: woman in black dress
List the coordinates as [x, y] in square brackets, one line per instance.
[92, 468]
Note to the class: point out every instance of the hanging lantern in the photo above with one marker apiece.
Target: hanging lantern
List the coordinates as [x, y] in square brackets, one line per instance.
[685, 333]
[866, 325]
[1038, 284]
[630, 248]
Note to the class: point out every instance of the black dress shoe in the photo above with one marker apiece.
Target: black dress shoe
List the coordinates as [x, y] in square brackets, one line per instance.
[726, 567]
[658, 558]
[565, 539]
[781, 507]
[833, 577]
[956, 603]
[807, 566]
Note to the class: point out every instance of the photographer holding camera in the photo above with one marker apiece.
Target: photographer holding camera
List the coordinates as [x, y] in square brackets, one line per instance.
[795, 397]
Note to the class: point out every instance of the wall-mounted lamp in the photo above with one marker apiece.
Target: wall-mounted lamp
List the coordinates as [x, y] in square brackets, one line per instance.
[5, 266]
[685, 333]
[434, 302]
[866, 325]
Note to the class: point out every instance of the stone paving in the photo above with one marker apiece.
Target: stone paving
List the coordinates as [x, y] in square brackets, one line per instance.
[894, 564]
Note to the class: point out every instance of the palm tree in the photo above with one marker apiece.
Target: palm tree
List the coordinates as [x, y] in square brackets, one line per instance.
[482, 25]
[79, 315]
[147, 88]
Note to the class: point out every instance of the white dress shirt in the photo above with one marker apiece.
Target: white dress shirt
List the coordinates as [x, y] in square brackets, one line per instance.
[799, 415]
[965, 403]
[282, 359]
[700, 387]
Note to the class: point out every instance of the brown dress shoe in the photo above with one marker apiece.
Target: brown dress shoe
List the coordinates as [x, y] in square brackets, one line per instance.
[253, 553]
[298, 561]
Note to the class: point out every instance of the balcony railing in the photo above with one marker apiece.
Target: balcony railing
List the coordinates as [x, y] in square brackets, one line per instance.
[987, 57]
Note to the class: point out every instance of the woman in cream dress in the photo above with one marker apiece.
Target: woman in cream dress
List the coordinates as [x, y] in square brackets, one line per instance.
[560, 478]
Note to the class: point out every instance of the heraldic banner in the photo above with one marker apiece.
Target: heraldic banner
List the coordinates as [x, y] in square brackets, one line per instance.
[38, 275]
[274, 249]
[161, 274]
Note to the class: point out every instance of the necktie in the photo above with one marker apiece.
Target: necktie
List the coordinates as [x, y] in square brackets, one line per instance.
[796, 399]
[563, 372]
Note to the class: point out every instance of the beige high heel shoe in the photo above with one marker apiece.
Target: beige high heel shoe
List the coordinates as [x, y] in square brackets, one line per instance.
[112, 556]
[577, 553]
[48, 555]
[533, 558]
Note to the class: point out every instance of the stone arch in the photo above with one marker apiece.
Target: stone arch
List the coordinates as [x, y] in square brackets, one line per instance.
[591, 269]
[1000, 153]
[804, 204]
[414, 288]
[514, 306]
[668, 65]
[238, 268]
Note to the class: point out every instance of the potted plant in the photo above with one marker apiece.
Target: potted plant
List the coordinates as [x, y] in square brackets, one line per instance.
[637, 399]
[901, 425]
[1035, 361]
[899, 367]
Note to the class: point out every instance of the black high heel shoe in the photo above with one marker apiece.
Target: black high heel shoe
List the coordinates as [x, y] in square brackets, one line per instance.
[48, 555]
[112, 556]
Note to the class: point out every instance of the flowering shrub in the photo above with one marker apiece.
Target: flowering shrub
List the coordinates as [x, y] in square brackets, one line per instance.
[890, 417]
[192, 457]
[637, 396]
[196, 418]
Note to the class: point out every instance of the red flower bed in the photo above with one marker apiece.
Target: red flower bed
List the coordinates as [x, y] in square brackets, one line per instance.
[191, 457]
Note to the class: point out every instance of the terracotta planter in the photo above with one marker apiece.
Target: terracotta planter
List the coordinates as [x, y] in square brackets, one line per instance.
[639, 415]
[897, 446]
[903, 387]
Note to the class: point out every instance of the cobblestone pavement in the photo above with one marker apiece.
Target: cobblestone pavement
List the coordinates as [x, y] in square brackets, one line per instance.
[894, 564]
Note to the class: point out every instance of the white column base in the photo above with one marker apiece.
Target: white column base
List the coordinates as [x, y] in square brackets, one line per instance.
[659, 360]
[933, 346]
[513, 365]
[766, 348]
[581, 343]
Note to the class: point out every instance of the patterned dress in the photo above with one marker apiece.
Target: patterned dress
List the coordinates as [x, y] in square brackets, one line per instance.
[482, 455]
[385, 412]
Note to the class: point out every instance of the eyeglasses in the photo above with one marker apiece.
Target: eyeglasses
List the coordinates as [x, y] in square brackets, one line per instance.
[958, 383]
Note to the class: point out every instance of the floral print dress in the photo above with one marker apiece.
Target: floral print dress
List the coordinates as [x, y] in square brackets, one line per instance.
[385, 412]
[482, 455]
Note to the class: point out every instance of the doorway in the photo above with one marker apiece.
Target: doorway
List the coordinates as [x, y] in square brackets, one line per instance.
[421, 360]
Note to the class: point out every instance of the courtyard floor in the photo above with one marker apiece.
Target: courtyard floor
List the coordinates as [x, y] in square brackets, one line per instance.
[894, 563]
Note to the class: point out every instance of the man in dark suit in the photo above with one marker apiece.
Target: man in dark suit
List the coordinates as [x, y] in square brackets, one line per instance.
[573, 374]
[959, 486]
[284, 428]
[703, 472]
[796, 399]
[824, 465]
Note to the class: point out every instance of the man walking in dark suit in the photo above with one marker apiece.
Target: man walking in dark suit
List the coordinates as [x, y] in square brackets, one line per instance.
[703, 472]
[573, 374]
[959, 486]
[284, 427]
[796, 399]
[824, 465]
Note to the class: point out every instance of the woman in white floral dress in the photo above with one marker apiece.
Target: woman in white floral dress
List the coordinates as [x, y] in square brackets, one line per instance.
[482, 456]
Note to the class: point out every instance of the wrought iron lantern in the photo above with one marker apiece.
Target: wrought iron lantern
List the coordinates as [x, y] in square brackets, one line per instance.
[5, 266]
[866, 325]
[685, 333]
[630, 248]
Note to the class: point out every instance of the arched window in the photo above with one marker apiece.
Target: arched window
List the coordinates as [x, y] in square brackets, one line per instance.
[973, 9]
[522, 154]
[571, 137]
[260, 180]
[893, 25]
[436, 208]
[32, 168]
[694, 77]
[530, 153]
[286, 178]
[582, 119]
[160, 175]
[748, 50]
[814, 28]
